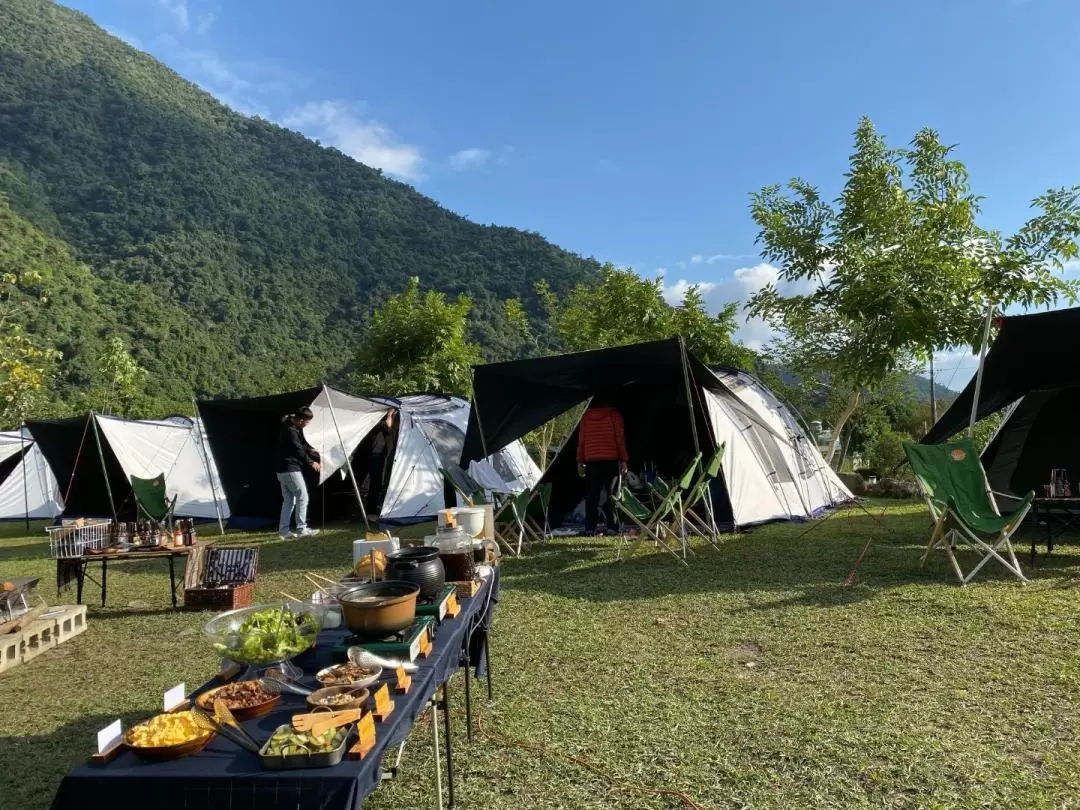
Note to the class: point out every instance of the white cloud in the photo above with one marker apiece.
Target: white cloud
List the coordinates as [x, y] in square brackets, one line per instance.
[721, 257]
[474, 158]
[697, 258]
[674, 293]
[204, 21]
[178, 10]
[371, 143]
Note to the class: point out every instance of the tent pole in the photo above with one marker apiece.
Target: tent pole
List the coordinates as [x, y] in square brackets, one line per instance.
[689, 394]
[979, 372]
[104, 467]
[348, 461]
[206, 463]
[26, 472]
[479, 424]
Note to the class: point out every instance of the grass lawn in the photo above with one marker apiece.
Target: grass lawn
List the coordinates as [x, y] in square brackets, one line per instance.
[752, 679]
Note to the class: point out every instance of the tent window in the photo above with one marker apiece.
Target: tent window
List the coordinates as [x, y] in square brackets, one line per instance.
[501, 463]
[447, 440]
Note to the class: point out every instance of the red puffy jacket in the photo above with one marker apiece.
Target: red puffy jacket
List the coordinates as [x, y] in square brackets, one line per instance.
[601, 437]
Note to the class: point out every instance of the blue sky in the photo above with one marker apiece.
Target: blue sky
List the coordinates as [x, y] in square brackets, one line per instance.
[634, 131]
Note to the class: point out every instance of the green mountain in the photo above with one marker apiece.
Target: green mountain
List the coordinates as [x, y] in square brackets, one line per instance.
[235, 256]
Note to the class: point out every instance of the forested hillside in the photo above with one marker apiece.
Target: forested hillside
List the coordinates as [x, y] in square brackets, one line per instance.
[233, 255]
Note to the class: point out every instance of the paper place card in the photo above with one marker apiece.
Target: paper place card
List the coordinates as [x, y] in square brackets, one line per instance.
[174, 697]
[109, 736]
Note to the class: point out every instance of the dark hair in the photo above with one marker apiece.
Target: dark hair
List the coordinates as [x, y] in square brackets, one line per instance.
[303, 412]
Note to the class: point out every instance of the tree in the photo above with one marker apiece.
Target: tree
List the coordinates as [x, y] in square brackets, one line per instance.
[898, 267]
[417, 343]
[122, 378]
[623, 307]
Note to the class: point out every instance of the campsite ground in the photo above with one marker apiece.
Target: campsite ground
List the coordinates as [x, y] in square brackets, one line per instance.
[753, 679]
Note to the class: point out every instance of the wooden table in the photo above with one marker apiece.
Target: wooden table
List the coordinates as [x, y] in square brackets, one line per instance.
[82, 563]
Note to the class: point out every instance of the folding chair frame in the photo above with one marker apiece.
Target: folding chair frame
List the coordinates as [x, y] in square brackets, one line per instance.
[949, 530]
[656, 518]
[167, 518]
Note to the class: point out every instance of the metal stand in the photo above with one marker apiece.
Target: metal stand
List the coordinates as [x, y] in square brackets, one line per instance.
[449, 743]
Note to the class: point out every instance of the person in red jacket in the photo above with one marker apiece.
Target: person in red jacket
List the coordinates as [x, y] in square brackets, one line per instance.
[601, 455]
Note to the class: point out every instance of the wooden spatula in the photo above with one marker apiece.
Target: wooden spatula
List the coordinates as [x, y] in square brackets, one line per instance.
[320, 722]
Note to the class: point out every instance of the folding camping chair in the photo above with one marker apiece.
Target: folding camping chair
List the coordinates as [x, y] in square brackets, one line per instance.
[152, 501]
[655, 523]
[674, 491]
[512, 524]
[698, 493]
[543, 495]
[464, 485]
[963, 507]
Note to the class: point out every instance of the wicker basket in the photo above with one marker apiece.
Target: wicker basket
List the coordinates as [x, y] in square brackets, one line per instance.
[224, 598]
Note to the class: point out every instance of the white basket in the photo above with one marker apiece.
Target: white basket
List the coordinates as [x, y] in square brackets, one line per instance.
[73, 541]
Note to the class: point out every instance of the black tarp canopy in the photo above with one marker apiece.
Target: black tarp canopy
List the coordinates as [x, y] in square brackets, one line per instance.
[1031, 353]
[656, 387]
[89, 475]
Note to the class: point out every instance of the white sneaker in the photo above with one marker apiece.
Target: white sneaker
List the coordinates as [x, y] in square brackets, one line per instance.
[286, 536]
[307, 533]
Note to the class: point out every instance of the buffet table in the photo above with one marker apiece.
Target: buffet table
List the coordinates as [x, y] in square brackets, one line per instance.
[226, 777]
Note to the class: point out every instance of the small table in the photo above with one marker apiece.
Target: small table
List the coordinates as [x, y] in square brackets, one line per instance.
[83, 562]
[1057, 515]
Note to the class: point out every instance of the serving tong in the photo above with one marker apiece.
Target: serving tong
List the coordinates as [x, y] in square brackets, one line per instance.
[225, 725]
[368, 660]
[277, 685]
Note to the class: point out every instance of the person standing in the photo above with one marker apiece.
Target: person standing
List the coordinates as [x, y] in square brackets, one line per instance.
[295, 456]
[381, 446]
[601, 456]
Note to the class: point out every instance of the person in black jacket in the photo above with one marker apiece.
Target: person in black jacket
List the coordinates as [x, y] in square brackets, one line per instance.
[294, 456]
[382, 438]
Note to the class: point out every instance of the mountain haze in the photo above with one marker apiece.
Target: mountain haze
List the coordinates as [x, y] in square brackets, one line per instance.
[237, 257]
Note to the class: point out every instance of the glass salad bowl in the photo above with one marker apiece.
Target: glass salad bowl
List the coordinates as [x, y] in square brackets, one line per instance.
[264, 635]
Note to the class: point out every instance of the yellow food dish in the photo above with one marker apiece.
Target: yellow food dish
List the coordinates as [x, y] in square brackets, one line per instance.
[163, 730]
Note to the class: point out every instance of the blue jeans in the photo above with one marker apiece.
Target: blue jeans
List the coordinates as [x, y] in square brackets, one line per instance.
[293, 496]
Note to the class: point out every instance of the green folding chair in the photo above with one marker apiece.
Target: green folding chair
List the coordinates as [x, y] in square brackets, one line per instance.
[657, 522]
[152, 501]
[512, 522]
[543, 496]
[676, 492]
[963, 506]
[704, 527]
[463, 484]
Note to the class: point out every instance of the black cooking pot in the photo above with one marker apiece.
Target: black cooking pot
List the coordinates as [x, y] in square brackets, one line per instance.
[419, 566]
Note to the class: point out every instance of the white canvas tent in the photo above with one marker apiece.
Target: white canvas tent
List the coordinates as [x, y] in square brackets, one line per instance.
[772, 469]
[176, 449]
[29, 489]
[431, 434]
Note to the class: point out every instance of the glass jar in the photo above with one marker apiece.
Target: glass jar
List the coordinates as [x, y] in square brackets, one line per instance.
[455, 551]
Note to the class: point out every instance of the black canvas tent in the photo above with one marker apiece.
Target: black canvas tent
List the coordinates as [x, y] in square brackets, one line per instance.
[243, 436]
[92, 482]
[1031, 363]
[656, 387]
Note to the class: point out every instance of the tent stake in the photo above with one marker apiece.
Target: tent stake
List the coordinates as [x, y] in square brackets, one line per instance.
[104, 467]
[979, 373]
[206, 462]
[348, 461]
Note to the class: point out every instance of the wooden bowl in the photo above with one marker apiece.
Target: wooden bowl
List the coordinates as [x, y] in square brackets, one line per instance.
[206, 701]
[163, 753]
[358, 702]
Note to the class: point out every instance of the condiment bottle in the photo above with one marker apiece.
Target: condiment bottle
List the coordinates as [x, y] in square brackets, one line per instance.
[178, 536]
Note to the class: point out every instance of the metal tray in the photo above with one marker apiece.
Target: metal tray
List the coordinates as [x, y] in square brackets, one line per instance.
[325, 759]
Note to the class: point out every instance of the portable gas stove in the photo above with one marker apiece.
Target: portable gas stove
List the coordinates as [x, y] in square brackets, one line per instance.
[404, 645]
[438, 606]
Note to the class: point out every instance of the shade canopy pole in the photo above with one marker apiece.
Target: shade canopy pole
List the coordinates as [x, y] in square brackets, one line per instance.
[689, 394]
[26, 473]
[348, 461]
[206, 462]
[979, 372]
[104, 466]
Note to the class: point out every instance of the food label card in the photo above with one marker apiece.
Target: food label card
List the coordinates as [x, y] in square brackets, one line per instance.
[109, 736]
[174, 697]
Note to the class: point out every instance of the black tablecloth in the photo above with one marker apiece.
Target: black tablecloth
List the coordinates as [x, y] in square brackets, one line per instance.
[225, 777]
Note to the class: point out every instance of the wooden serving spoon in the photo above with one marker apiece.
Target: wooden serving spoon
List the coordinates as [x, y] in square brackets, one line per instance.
[318, 723]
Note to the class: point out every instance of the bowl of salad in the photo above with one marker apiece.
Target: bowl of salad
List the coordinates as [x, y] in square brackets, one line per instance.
[262, 635]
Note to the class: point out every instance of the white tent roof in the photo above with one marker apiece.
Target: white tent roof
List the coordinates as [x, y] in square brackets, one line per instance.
[431, 434]
[340, 422]
[30, 489]
[772, 470]
[147, 449]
